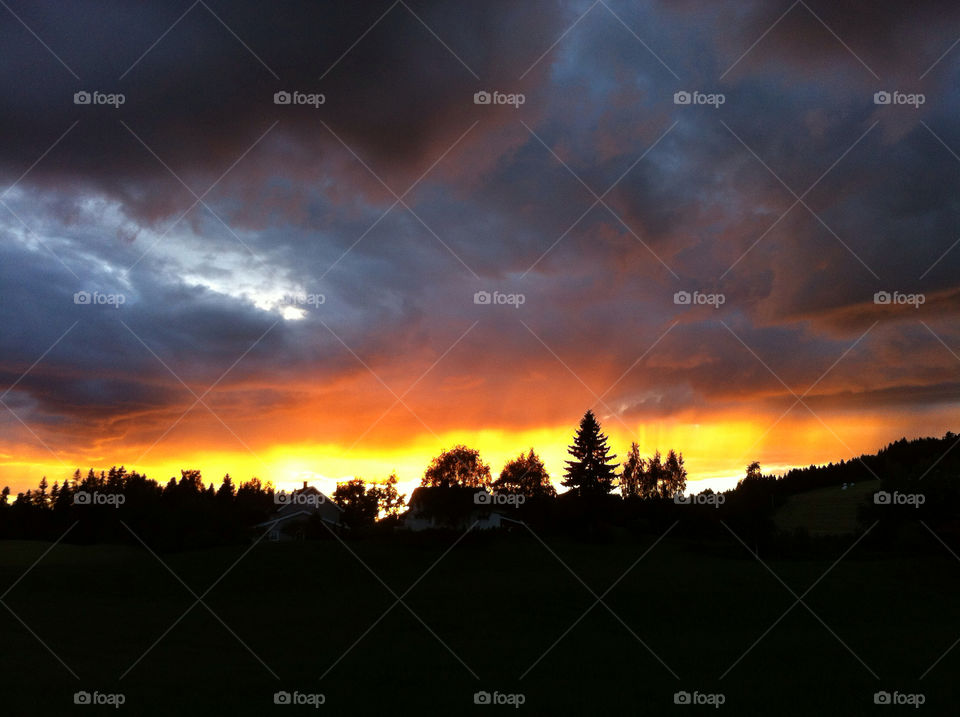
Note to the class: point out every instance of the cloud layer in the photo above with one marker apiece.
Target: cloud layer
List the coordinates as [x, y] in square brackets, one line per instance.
[224, 219]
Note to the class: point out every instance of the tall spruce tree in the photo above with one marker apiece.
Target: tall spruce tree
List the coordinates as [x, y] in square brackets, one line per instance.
[592, 471]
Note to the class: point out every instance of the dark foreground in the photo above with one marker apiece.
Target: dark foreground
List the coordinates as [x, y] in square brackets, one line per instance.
[497, 614]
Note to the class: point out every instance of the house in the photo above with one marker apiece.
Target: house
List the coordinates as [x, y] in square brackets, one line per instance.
[454, 508]
[297, 510]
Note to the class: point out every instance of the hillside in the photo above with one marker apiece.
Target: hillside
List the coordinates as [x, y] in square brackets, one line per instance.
[824, 511]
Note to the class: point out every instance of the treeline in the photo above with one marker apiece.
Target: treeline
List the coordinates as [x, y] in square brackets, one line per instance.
[651, 493]
[591, 475]
[121, 506]
[903, 459]
[929, 465]
[639, 495]
[591, 472]
[914, 501]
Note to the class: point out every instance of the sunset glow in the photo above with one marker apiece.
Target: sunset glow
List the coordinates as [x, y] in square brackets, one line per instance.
[427, 356]
[290, 286]
[715, 452]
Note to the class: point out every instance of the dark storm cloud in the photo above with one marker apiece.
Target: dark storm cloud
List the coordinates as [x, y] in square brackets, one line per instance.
[508, 202]
[891, 38]
[199, 97]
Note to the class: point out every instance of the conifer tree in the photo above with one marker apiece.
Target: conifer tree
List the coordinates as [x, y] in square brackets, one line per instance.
[592, 470]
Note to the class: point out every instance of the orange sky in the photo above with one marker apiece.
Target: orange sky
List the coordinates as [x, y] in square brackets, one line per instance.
[328, 290]
[716, 451]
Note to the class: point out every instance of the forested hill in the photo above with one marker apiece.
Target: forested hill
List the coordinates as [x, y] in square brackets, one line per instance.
[902, 460]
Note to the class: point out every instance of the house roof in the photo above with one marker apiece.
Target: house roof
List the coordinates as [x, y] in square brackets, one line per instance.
[313, 502]
[453, 502]
[310, 501]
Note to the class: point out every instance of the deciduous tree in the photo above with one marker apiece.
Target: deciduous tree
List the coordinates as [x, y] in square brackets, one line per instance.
[460, 466]
[525, 475]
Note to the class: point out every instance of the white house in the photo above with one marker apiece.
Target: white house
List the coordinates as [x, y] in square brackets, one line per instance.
[454, 508]
[296, 509]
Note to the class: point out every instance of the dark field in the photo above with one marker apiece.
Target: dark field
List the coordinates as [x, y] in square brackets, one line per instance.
[497, 603]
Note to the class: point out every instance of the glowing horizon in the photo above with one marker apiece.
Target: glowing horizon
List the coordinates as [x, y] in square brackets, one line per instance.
[715, 454]
[412, 263]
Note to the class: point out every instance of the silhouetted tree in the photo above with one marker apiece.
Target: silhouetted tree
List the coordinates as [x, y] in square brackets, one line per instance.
[390, 502]
[525, 475]
[191, 481]
[654, 476]
[254, 501]
[753, 474]
[359, 504]
[5, 527]
[460, 466]
[592, 470]
[40, 495]
[755, 489]
[226, 493]
[674, 479]
[116, 478]
[64, 499]
[631, 473]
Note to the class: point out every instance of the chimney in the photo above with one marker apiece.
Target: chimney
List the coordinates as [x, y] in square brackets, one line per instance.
[304, 485]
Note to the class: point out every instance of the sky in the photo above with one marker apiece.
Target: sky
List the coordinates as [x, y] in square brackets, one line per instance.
[686, 216]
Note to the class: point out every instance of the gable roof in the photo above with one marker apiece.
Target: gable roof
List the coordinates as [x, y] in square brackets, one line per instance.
[307, 499]
[452, 502]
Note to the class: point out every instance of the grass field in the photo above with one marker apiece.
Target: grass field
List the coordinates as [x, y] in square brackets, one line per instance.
[825, 511]
[491, 609]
